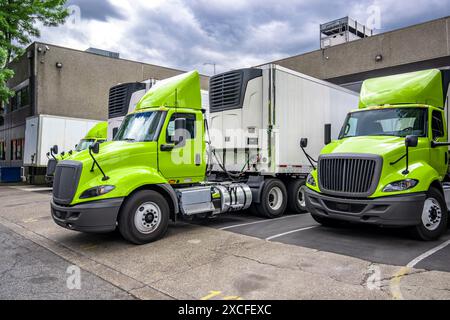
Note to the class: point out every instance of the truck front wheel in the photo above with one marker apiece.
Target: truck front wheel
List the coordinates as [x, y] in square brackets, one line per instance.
[144, 217]
[273, 199]
[434, 218]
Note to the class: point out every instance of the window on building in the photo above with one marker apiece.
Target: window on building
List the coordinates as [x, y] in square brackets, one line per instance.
[17, 149]
[2, 150]
[20, 99]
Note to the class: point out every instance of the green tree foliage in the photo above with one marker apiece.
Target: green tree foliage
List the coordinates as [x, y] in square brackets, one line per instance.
[5, 74]
[18, 21]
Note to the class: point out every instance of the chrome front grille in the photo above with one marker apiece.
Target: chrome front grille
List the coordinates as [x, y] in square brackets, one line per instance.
[349, 175]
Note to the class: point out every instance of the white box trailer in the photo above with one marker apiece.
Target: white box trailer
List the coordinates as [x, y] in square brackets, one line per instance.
[124, 97]
[259, 115]
[44, 131]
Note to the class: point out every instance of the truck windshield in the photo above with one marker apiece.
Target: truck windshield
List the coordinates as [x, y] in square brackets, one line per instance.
[139, 127]
[84, 144]
[398, 122]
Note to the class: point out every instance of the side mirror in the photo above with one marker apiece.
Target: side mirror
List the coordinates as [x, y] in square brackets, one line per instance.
[76, 146]
[180, 132]
[411, 141]
[63, 153]
[303, 142]
[95, 147]
[54, 149]
[327, 134]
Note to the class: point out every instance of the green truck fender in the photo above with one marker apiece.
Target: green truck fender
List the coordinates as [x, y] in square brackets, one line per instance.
[421, 171]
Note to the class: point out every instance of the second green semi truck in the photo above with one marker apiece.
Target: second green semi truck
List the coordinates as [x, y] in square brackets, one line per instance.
[98, 133]
[389, 165]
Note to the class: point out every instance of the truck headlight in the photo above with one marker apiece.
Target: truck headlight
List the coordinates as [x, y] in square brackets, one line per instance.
[310, 180]
[96, 191]
[400, 185]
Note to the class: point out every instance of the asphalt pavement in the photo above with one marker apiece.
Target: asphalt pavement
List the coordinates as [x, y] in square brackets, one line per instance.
[29, 271]
[391, 246]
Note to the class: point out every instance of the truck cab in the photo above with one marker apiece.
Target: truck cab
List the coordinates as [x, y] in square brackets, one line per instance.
[131, 182]
[389, 165]
[97, 133]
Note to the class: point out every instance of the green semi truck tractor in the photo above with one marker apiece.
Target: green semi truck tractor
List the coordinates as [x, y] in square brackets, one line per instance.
[98, 133]
[150, 172]
[389, 166]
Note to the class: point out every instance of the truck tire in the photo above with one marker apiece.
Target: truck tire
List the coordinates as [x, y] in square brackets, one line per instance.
[273, 199]
[144, 217]
[296, 196]
[434, 217]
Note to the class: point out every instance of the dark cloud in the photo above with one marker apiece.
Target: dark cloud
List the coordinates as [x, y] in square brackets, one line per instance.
[237, 33]
[96, 9]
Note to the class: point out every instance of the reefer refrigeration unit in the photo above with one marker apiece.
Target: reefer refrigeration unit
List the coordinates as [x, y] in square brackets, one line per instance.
[258, 116]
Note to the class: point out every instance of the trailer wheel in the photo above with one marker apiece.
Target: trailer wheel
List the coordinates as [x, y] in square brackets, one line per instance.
[434, 218]
[144, 217]
[296, 196]
[273, 199]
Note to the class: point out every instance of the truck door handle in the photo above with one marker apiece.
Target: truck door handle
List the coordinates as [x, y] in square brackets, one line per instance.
[167, 147]
[197, 159]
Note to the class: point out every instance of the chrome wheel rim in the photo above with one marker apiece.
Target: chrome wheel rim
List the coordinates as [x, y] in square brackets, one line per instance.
[275, 198]
[147, 217]
[431, 214]
[301, 197]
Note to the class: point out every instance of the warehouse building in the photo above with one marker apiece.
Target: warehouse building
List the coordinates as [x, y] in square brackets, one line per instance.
[59, 81]
[362, 55]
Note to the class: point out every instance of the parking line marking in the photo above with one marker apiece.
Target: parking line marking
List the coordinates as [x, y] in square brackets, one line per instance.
[395, 282]
[394, 285]
[289, 232]
[232, 298]
[427, 254]
[255, 222]
[211, 294]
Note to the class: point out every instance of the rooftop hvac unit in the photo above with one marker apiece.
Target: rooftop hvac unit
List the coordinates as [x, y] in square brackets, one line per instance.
[341, 31]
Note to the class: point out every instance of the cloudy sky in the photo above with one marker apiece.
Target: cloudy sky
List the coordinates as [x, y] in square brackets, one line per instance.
[186, 34]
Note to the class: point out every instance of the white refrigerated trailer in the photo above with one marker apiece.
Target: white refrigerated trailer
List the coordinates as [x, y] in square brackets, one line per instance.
[257, 118]
[44, 131]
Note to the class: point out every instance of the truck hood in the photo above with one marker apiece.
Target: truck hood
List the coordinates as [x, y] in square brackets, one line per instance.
[385, 146]
[115, 154]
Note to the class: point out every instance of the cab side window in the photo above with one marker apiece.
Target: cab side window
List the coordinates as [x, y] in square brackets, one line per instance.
[437, 125]
[190, 125]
